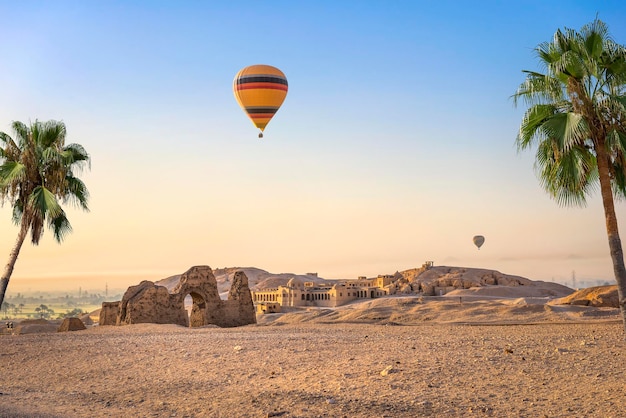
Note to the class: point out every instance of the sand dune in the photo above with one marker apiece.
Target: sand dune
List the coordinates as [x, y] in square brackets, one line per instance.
[465, 309]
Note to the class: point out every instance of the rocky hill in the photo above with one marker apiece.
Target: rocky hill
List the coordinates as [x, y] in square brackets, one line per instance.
[258, 279]
[444, 279]
[424, 280]
[598, 296]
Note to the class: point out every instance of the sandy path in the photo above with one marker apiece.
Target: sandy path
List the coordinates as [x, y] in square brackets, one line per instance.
[312, 370]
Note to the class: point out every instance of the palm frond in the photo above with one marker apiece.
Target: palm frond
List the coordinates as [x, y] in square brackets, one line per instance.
[567, 129]
[614, 60]
[595, 34]
[60, 226]
[22, 134]
[11, 172]
[568, 177]
[77, 192]
[36, 222]
[10, 150]
[530, 129]
[537, 89]
[620, 99]
[594, 42]
[51, 134]
[570, 64]
[50, 155]
[76, 156]
[6, 140]
[43, 202]
[546, 53]
[16, 215]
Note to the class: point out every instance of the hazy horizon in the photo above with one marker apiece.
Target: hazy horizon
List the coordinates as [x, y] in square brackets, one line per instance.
[394, 146]
[119, 283]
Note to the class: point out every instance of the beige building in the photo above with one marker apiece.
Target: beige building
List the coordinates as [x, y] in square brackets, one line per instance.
[298, 293]
[267, 307]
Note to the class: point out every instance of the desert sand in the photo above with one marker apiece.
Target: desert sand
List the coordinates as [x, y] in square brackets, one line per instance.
[394, 357]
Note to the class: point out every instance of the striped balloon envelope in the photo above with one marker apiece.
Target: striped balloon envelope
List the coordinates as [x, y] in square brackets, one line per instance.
[260, 90]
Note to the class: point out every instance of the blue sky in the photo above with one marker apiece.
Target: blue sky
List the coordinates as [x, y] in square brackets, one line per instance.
[395, 144]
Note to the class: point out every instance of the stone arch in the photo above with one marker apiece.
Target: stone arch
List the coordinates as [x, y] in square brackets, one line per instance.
[197, 314]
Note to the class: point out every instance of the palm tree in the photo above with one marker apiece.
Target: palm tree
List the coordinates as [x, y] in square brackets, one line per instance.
[6, 307]
[577, 119]
[36, 176]
[44, 311]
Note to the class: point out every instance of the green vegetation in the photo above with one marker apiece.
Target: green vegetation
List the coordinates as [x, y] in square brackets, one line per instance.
[36, 174]
[49, 307]
[577, 119]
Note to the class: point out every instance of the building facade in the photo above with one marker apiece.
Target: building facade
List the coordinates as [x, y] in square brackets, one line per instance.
[299, 293]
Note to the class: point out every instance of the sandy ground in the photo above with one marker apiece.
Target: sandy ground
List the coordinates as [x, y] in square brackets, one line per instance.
[481, 358]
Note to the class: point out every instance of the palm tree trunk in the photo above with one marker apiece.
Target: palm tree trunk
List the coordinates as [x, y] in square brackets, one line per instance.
[8, 269]
[615, 244]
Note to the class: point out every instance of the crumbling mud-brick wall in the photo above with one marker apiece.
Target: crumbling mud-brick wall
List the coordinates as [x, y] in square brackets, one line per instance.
[108, 313]
[239, 308]
[71, 324]
[151, 303]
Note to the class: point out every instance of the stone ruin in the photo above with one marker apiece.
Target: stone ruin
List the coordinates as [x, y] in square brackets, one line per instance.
[151, 303]
[71, 324]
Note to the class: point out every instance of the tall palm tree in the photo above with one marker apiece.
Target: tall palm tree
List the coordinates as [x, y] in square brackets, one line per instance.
[36, 176]
[577, 120]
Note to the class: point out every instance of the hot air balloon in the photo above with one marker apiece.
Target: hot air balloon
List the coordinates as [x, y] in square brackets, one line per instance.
[479, 240]
[260, 90]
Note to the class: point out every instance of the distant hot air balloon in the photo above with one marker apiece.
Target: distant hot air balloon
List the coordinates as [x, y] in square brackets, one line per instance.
[479, 240]
[260, 90]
